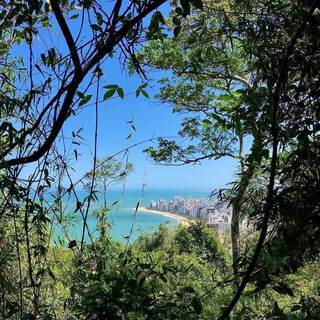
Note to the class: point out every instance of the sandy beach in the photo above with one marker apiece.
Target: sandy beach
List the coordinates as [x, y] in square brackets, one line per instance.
[181, 219]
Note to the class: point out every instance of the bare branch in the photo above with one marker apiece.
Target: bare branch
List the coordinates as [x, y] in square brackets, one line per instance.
[67, 35]
[78, 77]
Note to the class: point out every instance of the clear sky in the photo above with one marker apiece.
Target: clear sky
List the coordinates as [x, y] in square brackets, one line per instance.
[151, 119]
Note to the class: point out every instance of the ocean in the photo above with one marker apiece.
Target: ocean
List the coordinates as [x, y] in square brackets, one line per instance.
[124, 222]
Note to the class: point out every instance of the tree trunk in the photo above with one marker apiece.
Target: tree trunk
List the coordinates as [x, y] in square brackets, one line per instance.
[105, 193]
[246, 175]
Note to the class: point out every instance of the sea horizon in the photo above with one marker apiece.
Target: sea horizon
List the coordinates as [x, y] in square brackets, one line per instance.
[125, 223]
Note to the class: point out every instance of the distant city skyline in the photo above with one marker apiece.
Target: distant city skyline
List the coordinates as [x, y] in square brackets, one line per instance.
[216, 215]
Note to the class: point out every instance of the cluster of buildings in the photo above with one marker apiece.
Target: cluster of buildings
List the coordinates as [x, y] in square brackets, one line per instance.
[215, 214]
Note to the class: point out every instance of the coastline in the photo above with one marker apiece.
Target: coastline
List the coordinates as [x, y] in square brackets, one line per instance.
[181, 219]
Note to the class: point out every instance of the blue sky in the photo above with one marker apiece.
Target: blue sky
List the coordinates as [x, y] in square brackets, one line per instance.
[151, 119]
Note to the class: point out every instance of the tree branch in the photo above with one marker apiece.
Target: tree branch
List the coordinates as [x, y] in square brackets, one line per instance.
[102, 51]
[217, 76]
[67, 35]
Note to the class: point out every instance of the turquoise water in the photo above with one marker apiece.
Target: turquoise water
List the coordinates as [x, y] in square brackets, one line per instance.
[122, 215]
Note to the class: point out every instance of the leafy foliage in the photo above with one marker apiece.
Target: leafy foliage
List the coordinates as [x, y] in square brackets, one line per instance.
[246, 76]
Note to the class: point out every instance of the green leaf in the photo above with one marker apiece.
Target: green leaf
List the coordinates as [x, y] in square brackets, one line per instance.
[283, 288]
[111, 86]
[145, 93]
[143, 86]
[109, 94]
[206, 123]
[43, 58]
[75, 16]
[39, 69]
[96, 27]
[217, 118]
[226, 97]
[154, 29]
[176, 21]
[140, 88]
[85, 100]
[99, 18]
[120, 92]
[159, 17]
[80, 94]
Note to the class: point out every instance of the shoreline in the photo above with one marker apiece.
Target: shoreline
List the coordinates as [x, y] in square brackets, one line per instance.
[181, 219]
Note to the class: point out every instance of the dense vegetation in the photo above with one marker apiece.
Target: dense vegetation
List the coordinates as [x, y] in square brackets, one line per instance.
[246, 75]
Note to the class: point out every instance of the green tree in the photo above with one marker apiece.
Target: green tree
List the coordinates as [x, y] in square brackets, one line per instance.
[159, 277]
[243, 71]
[248, 69]
[210, 75]
[107, 172]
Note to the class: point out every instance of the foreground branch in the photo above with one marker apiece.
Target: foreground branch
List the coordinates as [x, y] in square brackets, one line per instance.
[107, 47]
